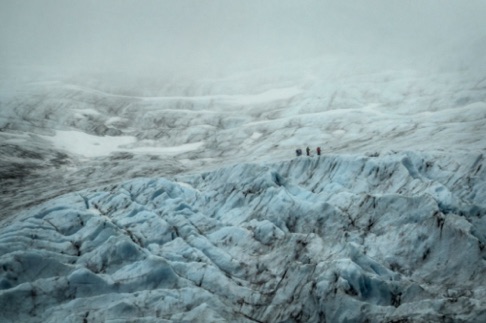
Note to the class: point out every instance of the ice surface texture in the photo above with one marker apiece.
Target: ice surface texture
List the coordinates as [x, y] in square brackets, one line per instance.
[48, 129]
[332, 238]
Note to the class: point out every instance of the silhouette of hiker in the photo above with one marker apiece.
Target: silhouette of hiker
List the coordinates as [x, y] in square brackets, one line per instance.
[307, 151]
[298, 152]
[318, 151]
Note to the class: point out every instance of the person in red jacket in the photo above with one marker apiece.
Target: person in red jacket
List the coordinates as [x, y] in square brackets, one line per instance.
[318, 151]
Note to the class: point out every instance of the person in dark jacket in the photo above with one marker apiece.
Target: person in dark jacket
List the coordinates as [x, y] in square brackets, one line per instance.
[318, 151]
[308, 151]
[298, 152]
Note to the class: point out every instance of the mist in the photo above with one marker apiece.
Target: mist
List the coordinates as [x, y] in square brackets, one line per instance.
[154, 37]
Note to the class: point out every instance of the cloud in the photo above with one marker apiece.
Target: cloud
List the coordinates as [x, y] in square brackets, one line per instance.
[204, 35]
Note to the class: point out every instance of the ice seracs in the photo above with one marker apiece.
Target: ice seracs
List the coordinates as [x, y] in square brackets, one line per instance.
[335, 238]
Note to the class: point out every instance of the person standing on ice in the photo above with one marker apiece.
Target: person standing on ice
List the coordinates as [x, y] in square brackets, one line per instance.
[318, 151]
[298, 152]
[307, 151]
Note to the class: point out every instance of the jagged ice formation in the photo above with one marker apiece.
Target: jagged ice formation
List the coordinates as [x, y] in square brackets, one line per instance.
[330, 238]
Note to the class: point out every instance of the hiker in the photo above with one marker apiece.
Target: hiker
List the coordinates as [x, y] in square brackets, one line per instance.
[318, 151]
[308, 151]
[298, 152]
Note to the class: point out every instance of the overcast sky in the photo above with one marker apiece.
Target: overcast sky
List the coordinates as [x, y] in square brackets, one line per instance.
[212, 35]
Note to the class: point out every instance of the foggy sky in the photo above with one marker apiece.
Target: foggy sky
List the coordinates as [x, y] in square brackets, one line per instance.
[156, 35]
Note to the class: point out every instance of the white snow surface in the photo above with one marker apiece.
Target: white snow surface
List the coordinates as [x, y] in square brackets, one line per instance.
[182, 200]
[88, 145]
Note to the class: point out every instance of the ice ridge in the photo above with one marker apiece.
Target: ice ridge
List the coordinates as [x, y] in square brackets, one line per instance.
[332, 238]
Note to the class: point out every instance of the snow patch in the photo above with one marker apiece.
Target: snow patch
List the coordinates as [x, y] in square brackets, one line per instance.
[87, 145]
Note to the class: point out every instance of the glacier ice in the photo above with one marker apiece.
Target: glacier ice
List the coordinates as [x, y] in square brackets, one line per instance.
[337, 238]
[145, 188]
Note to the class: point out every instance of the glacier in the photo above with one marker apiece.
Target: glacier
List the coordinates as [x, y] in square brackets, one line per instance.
[337, 238]
[148, 169]
[186, 203]
[73, 129]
